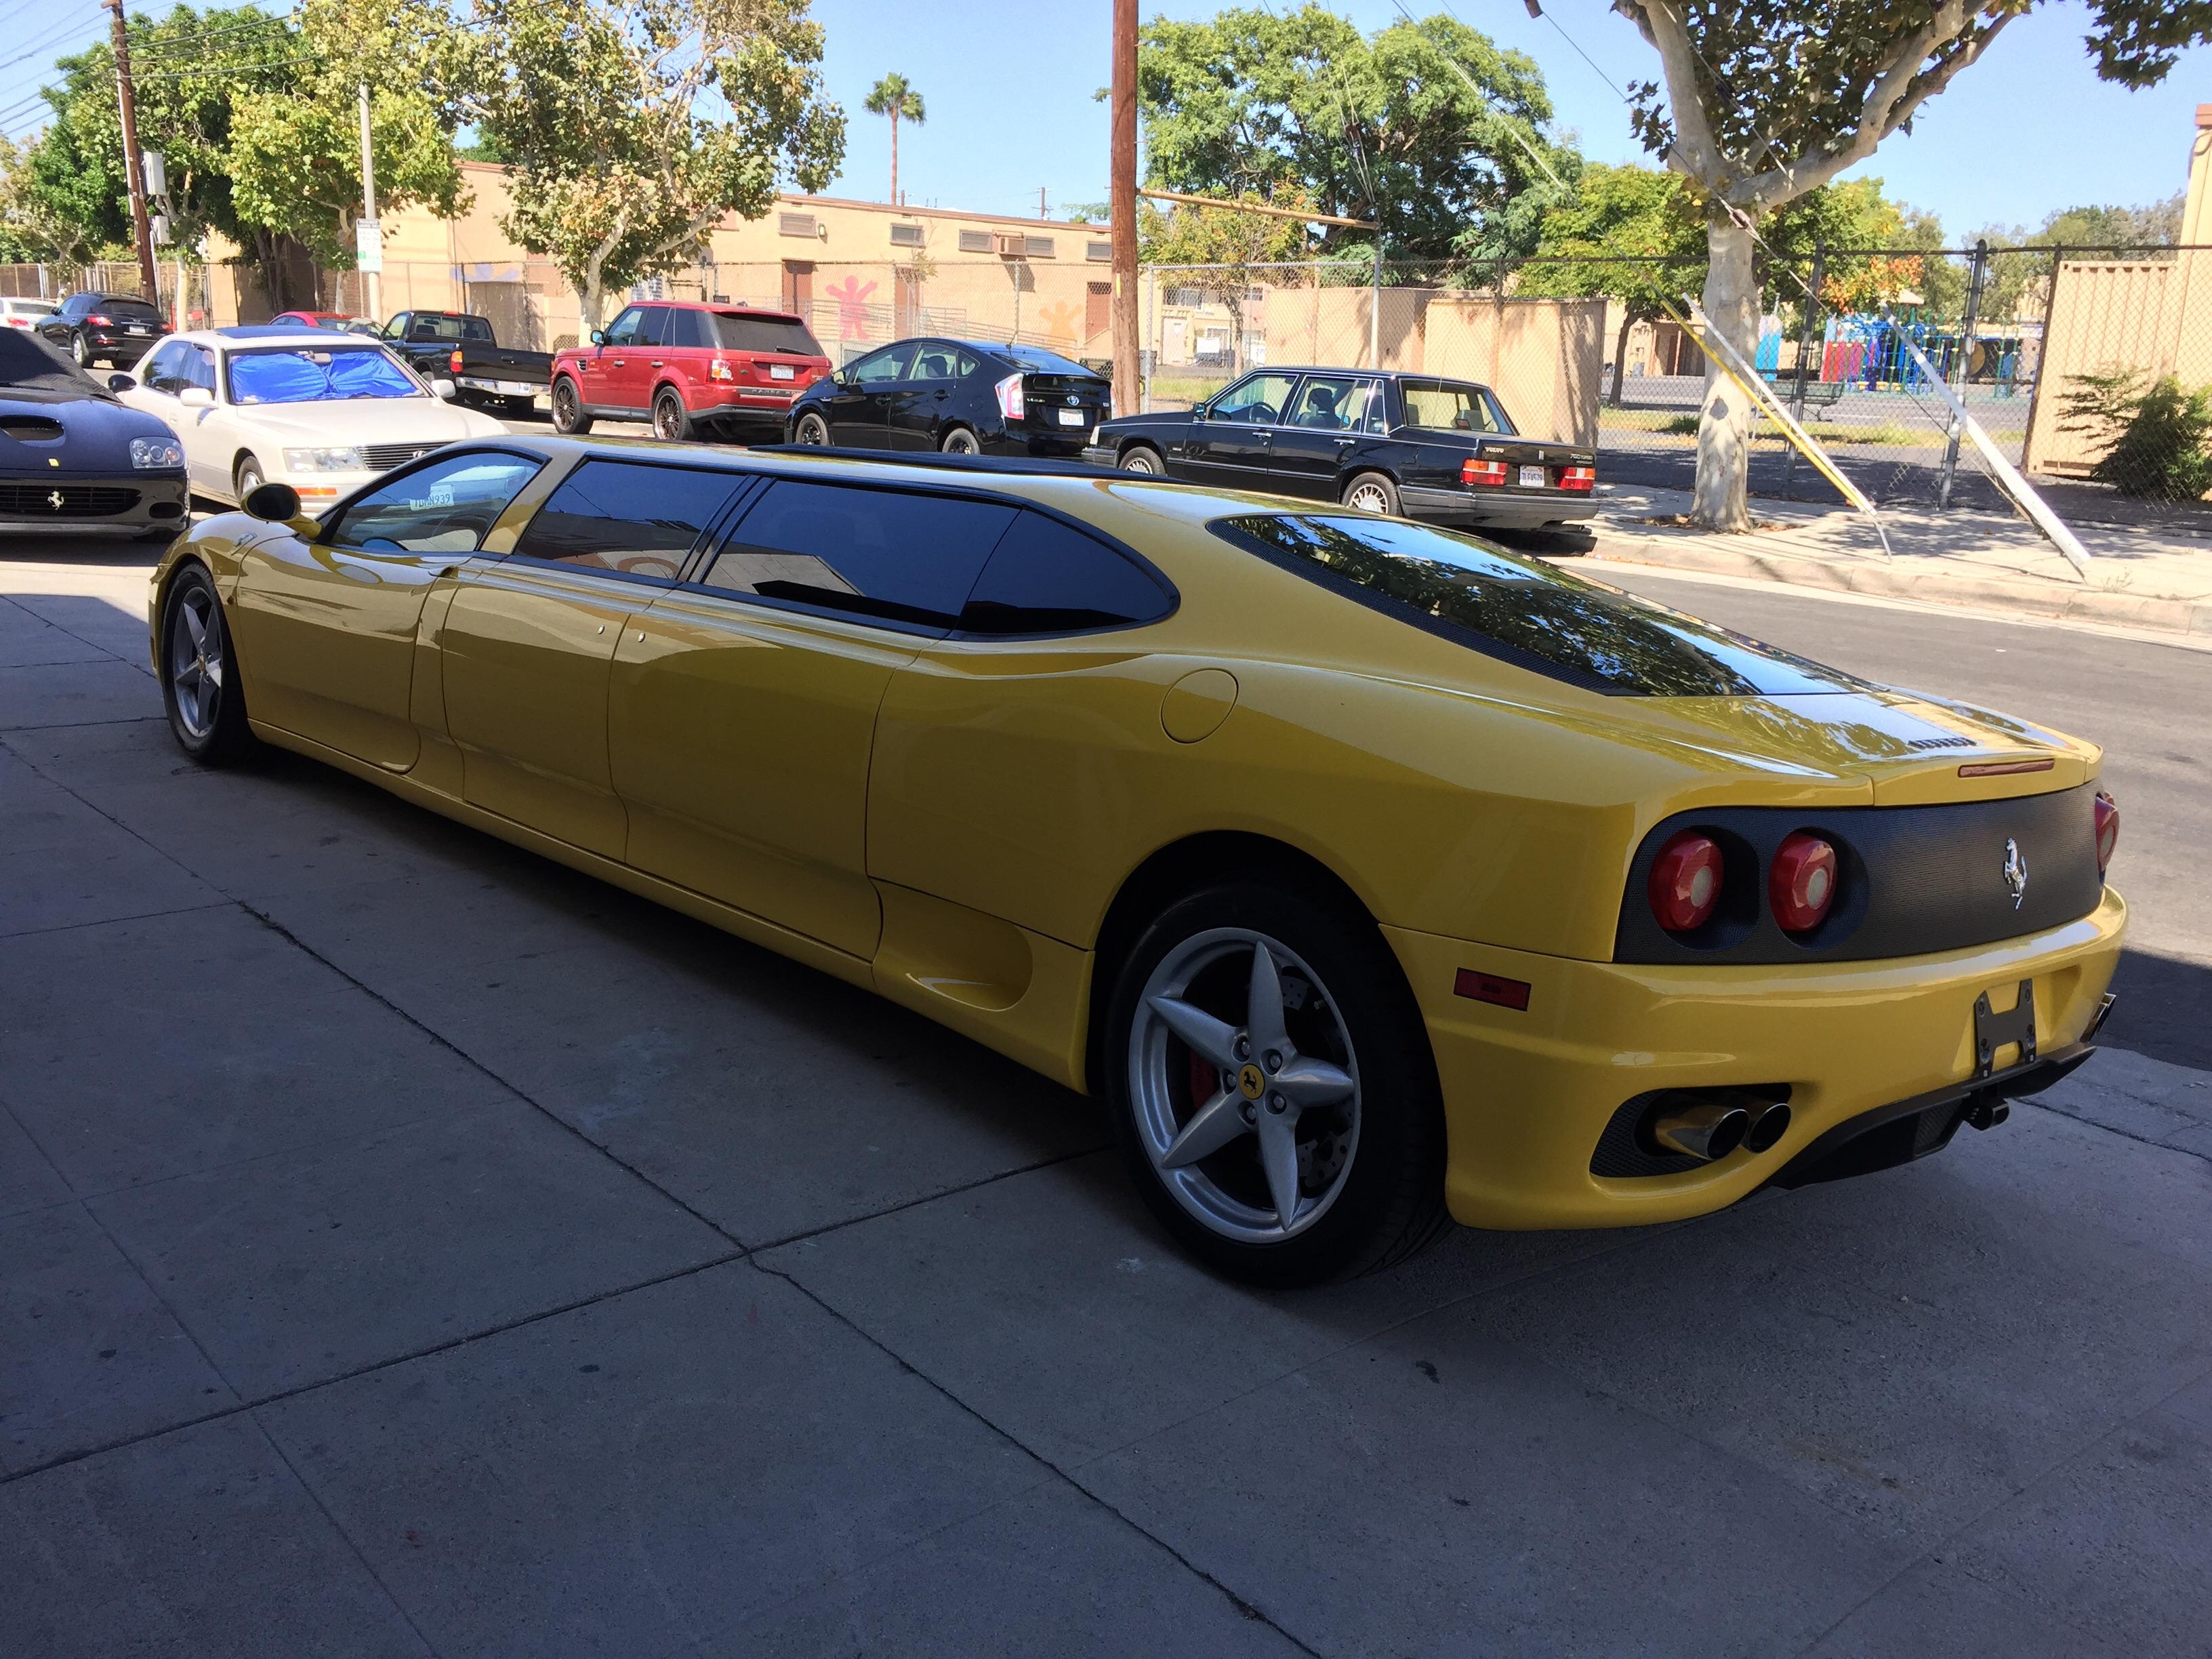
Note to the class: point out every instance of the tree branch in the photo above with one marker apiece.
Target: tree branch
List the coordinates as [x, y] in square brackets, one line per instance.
[1696, 152]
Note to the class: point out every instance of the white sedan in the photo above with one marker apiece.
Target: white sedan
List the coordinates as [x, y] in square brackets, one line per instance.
[321, 411]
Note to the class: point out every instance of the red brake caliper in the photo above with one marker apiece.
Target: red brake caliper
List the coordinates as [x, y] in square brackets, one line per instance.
[1204, 1081]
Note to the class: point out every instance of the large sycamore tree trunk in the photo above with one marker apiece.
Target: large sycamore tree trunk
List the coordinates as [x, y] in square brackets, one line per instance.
[1731, 306]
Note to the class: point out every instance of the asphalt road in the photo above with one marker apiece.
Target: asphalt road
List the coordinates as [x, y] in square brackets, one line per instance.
[410, 1247]
[2149, 704]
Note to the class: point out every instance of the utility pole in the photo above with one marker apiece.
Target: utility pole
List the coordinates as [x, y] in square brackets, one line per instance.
[1123, 187]
[134, 171]
[1041, 208]
[372, 269]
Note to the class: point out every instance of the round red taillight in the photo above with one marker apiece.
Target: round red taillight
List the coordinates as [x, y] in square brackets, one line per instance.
[1800, 885]
[1686, 882]
[2108, 830]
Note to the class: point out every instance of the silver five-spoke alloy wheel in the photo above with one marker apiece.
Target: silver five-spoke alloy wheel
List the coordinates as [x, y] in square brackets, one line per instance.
[1245, 1087]
[1370, 497]
[196, 666]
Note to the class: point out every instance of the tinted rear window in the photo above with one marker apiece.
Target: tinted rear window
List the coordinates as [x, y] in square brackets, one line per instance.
[786, 334]
[1524, 612]
[1048, 577]
[1045, 362]
[133, 309]
[885, 554]
[618, 515]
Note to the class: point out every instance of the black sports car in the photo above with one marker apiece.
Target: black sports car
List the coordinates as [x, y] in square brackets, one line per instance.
[964, 397]
[104, 328]
[72, 456]
[1413, 445]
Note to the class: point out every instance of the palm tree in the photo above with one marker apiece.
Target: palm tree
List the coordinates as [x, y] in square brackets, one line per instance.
[894, 98]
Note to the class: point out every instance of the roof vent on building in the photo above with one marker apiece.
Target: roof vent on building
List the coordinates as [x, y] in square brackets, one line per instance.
[976, 241]
[1037, 247]
[906, 236]
[794, 224]
[1098, 253]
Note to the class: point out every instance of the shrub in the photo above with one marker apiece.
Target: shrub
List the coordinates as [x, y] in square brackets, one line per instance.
[2157, 437]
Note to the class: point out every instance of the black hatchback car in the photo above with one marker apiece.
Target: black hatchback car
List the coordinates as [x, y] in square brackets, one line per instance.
[1414, 444]
[104, 328]
[964, 397]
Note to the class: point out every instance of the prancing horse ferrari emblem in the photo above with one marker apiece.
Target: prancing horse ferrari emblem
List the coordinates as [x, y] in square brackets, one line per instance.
[2016, 872]
[1250, 1080]
[57, 501]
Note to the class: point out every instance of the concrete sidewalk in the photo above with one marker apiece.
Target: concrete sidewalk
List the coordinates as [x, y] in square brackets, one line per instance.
[2157, 579]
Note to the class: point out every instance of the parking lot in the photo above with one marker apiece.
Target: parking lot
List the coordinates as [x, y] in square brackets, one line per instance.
[410, 1246]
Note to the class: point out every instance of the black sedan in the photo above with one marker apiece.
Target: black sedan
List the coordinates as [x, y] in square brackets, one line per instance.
[963, 397]
[1413, 445]
[72, 456]
[104, 328]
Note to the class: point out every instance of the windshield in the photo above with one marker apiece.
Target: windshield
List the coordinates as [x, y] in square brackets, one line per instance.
[1523, 610]
[787, 334]
[313, 375]
[1448, 406]
[1051, 362]
[447, 325]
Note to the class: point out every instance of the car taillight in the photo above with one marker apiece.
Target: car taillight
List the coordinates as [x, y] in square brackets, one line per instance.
[99, 321]
[1686, 882]
[1010, 397]
[2108, 830]
[1800, 885]
[721, 370]
[454, 362]
[1482, 472]
[1578, 478]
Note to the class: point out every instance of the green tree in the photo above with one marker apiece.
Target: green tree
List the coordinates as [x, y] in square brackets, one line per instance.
[633, 127]
[1376, 127]
[1765, 99]
[1228, 251]
[1630, 235]
[892, 96]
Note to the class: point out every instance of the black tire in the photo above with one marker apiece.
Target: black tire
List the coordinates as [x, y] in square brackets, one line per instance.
[246, 477]
[672, 421]
[81, 351]
[569, 417]
[1389, 1202]
[1370, 485]
[212, 729]
[1143, 460]
[812, 429]
[961, 441]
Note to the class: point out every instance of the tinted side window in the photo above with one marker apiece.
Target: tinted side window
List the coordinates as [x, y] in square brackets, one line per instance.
[878, 553]
[624, 330]
[653, 330]
[1047, 577]
[884, 366]
[934, 361]
[164, 370]
[448, 507]
[688, 328]
[619, 515]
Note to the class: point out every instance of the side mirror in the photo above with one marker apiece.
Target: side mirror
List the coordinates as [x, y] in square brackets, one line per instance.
[278, 503]
[121, 382]
[197, 397]
[444, 388]
[598, 337]
[1201, 409]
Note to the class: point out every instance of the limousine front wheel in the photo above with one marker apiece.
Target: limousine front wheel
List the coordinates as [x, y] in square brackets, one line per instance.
[199, 675]
[1273, 1089]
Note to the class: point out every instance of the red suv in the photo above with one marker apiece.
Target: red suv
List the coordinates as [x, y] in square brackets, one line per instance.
[690, 369]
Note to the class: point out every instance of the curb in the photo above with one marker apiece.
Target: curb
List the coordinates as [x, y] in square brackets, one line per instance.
[2053, 601]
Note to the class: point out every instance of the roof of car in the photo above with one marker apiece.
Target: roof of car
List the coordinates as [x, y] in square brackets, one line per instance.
[268, 334]
[724, 308]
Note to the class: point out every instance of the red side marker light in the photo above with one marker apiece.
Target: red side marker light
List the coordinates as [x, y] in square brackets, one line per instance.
[1686, 882]
[2108, 830]
[1489, 987]
[1802, 884]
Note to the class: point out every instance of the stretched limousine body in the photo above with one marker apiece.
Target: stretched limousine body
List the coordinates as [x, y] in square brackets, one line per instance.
[1370, 872]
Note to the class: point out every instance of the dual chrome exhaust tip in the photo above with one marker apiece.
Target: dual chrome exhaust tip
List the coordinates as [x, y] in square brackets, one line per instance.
[1710, 1127]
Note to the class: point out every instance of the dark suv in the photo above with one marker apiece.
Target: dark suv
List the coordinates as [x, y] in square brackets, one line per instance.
[104, 328]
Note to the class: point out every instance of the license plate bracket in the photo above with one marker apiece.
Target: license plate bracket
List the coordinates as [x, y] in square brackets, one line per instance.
[1532, 477]
[1070, 417]
[1993, 1031]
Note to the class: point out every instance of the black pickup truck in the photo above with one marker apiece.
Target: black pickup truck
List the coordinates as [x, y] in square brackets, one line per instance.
[459, 347]
[1416, 445]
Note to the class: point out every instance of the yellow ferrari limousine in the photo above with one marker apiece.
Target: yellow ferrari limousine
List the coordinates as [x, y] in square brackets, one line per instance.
[1372, 874]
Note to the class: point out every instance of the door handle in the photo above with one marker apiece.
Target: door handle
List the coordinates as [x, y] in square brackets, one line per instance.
[656, 362]
[942, 396]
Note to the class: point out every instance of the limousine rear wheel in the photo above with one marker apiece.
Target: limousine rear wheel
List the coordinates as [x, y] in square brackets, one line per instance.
[568, 416]
[1272, 1087]
[200, 674]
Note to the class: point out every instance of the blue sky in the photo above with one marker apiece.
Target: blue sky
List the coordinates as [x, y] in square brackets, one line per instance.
[2027, 130]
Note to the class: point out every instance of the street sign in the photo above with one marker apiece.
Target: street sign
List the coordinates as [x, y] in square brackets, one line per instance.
[368, 244]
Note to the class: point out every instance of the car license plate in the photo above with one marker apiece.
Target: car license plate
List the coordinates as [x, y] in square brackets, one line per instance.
[140, 328]
[782, 371]
[1070, 417]
[1532, 477]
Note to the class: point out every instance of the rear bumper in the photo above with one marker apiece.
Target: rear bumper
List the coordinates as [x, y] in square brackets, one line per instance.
[1504, 507]
[1529, 1094]
[741, 406]
[159, 503]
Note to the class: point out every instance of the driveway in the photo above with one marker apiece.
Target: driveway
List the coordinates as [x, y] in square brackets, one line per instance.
[408, 1246]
